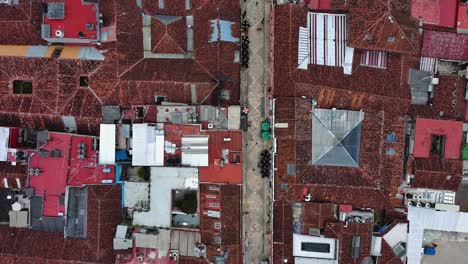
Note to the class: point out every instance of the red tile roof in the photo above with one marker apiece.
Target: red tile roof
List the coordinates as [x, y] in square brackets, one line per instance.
[439, 12]
[169, 38]
[345, 235]
[231, 225]
[171, 8]
[383, 95]
[445, 45]
[436, 173]
[124, 78]
[382, 20]
[18, 26]
[21, 246]
[446, 99]
[315, 215]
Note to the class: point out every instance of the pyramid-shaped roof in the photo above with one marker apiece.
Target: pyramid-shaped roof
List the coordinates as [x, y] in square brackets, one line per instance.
[336, 136]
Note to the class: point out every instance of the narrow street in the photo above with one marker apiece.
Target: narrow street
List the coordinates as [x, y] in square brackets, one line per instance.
[254, 83]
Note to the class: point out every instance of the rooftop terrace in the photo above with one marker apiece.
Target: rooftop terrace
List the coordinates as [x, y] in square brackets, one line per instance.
[60, 166]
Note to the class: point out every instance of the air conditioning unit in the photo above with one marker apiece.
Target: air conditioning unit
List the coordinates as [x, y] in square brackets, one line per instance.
[210, 126]
[140, 258]
[10, 2]
[435, 81]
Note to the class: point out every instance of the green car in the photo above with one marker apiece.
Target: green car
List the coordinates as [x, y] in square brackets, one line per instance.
[265, 130]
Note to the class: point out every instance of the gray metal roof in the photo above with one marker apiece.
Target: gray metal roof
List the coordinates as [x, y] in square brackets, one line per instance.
[5, 205]
[77, 212]
[110, 113]
[419, 82]
[44, 223]
[56, 10]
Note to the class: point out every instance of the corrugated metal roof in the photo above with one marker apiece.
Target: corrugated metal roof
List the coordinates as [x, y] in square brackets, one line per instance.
[76, 224]
[428, 64]
[328, 35]
[373, 58]
[148, 145]
[195, 151]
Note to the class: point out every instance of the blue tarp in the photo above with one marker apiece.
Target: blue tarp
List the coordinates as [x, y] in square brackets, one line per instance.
[222, 31]
[118, 174]
[121, 155]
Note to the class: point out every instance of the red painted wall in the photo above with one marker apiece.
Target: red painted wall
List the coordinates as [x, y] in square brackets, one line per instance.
[425, 128]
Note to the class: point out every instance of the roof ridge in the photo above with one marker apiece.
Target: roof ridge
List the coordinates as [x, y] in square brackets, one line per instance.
[377, 21]
[167, 37]
[177, 44]
[402, 31]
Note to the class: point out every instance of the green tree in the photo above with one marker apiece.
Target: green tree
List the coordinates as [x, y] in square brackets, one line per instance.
[188, 205]
[144, 173]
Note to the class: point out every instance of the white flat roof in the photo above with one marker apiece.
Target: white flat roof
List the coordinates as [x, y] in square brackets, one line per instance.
[121, 231]
[135, 192]
[107, 144]
[399, 233]
[148, 145]
[4, 138]
[421, 219]
[163, 181]
[299, 242]
[160, 241]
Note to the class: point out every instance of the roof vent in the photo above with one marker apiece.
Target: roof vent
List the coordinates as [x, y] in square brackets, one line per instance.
[59, 33]
[367, 37]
